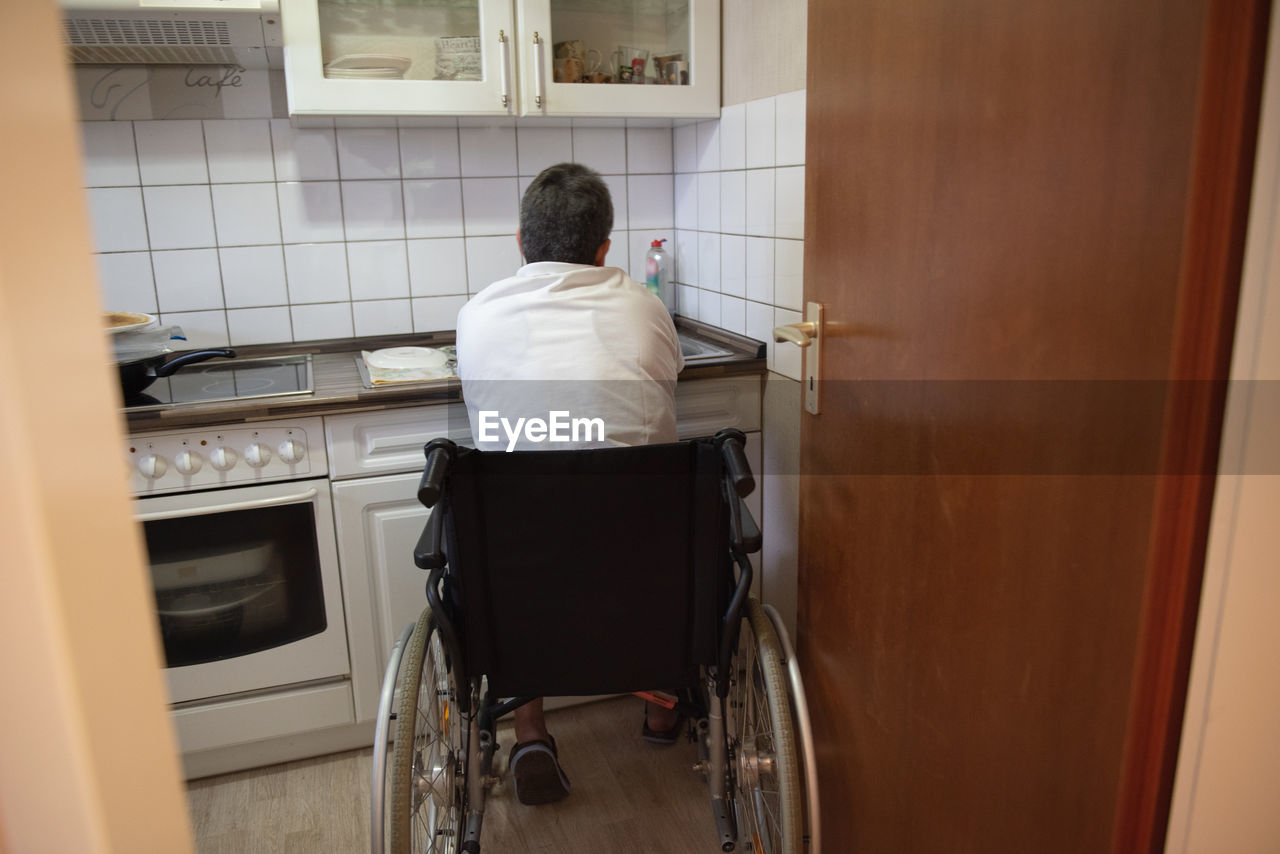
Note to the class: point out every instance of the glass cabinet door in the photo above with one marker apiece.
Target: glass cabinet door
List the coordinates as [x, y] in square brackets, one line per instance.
[630, 58]
[397, 57]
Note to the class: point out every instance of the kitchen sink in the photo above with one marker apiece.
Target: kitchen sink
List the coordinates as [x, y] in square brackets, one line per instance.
[695, 350]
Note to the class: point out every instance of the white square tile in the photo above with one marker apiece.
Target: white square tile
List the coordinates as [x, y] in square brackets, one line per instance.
[787, 357]
[709, 201]
[650, 201]
[372, 210]
[760, 133]
[118, 221]
[427, 122]
[203, 329]
[383, 317]
[110, 159]
[540, 147]
[379, 270]
[252, 276]
[733, 137]
[125, 282]
[488, 151]
[788, 288]
[490, 259]
[687, 301]
[686, 257]
[171, 152]
[648, 150]
[259, 325]
[709, 307]
[239, 150]
[429, 153]
[603, 149]
[684, 144]
[246, 214]
[789, 207]
[304, 154]
[760, 257]
[310, 211]
[187, 280]
[709, 146]
[433, 208]
[760, 325]
[789, 140]
[490, 206]
[321, 322]
[437, 267]
[760, 202]
[317, 272]
[437, 314]
[733, 314]
[368, 153]
[733, 264]
[709, 261]
[733, 202]
[179, 217]
[686, 198]
[638, 246]
[618, 196]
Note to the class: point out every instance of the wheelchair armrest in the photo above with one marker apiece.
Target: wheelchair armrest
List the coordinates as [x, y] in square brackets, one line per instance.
[743, 530]
[428, 554]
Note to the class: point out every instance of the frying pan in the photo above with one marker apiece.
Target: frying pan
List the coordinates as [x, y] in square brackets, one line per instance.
[137, 374]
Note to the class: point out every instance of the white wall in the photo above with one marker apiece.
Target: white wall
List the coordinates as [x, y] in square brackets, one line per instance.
[1227, 790]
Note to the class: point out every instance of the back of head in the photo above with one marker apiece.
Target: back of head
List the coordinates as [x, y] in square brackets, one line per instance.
[566, 215]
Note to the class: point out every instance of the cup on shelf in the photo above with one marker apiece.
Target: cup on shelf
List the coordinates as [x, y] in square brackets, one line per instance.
[630, 62]
[574, 61]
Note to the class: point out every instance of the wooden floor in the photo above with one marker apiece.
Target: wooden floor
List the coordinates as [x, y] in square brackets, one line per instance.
[629, 797]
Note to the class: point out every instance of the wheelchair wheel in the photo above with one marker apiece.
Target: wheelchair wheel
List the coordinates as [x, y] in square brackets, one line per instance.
[428, 759]
[763, 767]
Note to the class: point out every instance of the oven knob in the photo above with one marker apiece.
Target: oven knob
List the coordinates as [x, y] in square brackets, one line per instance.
[257, 455]
[223, 458]
[292, 451]
[152, 466]
[188, 462]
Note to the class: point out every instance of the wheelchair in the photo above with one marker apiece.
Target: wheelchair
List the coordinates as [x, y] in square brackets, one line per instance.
[548, 571]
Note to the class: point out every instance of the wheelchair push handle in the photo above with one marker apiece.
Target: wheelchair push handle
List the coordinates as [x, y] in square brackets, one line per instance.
[731, 442]
[439, 453]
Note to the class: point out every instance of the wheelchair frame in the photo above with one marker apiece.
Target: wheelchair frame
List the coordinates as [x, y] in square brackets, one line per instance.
[747, 710]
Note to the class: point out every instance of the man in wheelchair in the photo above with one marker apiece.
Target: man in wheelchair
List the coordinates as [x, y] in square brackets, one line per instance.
[567, 335]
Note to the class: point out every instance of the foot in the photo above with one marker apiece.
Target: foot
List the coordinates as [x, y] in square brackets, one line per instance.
[661, 725]
[536, 773]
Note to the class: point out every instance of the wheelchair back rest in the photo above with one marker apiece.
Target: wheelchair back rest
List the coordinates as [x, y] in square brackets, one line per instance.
[590, 571]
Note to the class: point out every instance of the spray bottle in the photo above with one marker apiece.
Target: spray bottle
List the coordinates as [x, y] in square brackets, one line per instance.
[657, 272]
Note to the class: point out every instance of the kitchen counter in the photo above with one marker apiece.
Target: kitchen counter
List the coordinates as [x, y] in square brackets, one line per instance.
[338, 387]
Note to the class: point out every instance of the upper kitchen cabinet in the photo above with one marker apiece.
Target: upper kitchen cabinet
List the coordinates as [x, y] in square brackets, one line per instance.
[621, 58]
[602, 58]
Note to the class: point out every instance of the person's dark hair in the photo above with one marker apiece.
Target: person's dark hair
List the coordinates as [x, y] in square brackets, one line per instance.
[566, 215]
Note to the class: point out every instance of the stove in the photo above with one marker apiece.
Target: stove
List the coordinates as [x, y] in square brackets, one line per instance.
[233, 379]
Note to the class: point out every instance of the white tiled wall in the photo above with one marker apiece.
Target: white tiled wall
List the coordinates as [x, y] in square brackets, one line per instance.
[739, 219]
[249, 231]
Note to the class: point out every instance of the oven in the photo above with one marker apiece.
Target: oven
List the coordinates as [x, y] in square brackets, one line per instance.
[242, 549]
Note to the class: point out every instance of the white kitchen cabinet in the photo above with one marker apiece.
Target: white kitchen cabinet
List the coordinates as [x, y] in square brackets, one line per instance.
[405, 58]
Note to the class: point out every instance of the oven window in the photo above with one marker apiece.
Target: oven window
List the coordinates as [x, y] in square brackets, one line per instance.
[229, 584]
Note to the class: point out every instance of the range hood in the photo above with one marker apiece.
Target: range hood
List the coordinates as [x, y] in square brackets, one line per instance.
[172, 32]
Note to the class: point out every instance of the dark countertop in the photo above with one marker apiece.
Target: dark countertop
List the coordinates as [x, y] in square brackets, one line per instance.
[338, 387]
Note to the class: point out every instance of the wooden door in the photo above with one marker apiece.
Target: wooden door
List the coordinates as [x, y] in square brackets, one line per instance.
[1025, 221]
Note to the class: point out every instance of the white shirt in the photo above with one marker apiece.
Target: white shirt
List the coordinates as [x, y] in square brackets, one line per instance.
[586, 350]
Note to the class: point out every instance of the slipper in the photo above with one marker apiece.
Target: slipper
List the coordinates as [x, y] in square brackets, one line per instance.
[536, 771]
[665, 736]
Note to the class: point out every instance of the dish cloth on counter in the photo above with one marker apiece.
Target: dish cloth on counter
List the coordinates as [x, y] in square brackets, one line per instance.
[384, 376]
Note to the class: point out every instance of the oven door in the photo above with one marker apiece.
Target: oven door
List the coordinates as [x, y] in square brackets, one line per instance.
[246, 586]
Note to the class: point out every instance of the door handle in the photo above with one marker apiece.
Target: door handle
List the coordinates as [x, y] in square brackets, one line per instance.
[538, 61]
[807, 335]
[504, 57]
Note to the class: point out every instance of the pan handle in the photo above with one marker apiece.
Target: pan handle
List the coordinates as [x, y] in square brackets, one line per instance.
[178, 361]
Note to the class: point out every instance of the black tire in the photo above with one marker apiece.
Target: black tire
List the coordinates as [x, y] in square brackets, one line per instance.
[428, 762]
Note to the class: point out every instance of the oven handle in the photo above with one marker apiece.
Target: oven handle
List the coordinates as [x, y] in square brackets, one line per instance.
[226, 508]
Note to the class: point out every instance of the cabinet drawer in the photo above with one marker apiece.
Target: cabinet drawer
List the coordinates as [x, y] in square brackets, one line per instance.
[705, 406]
[388, 441]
